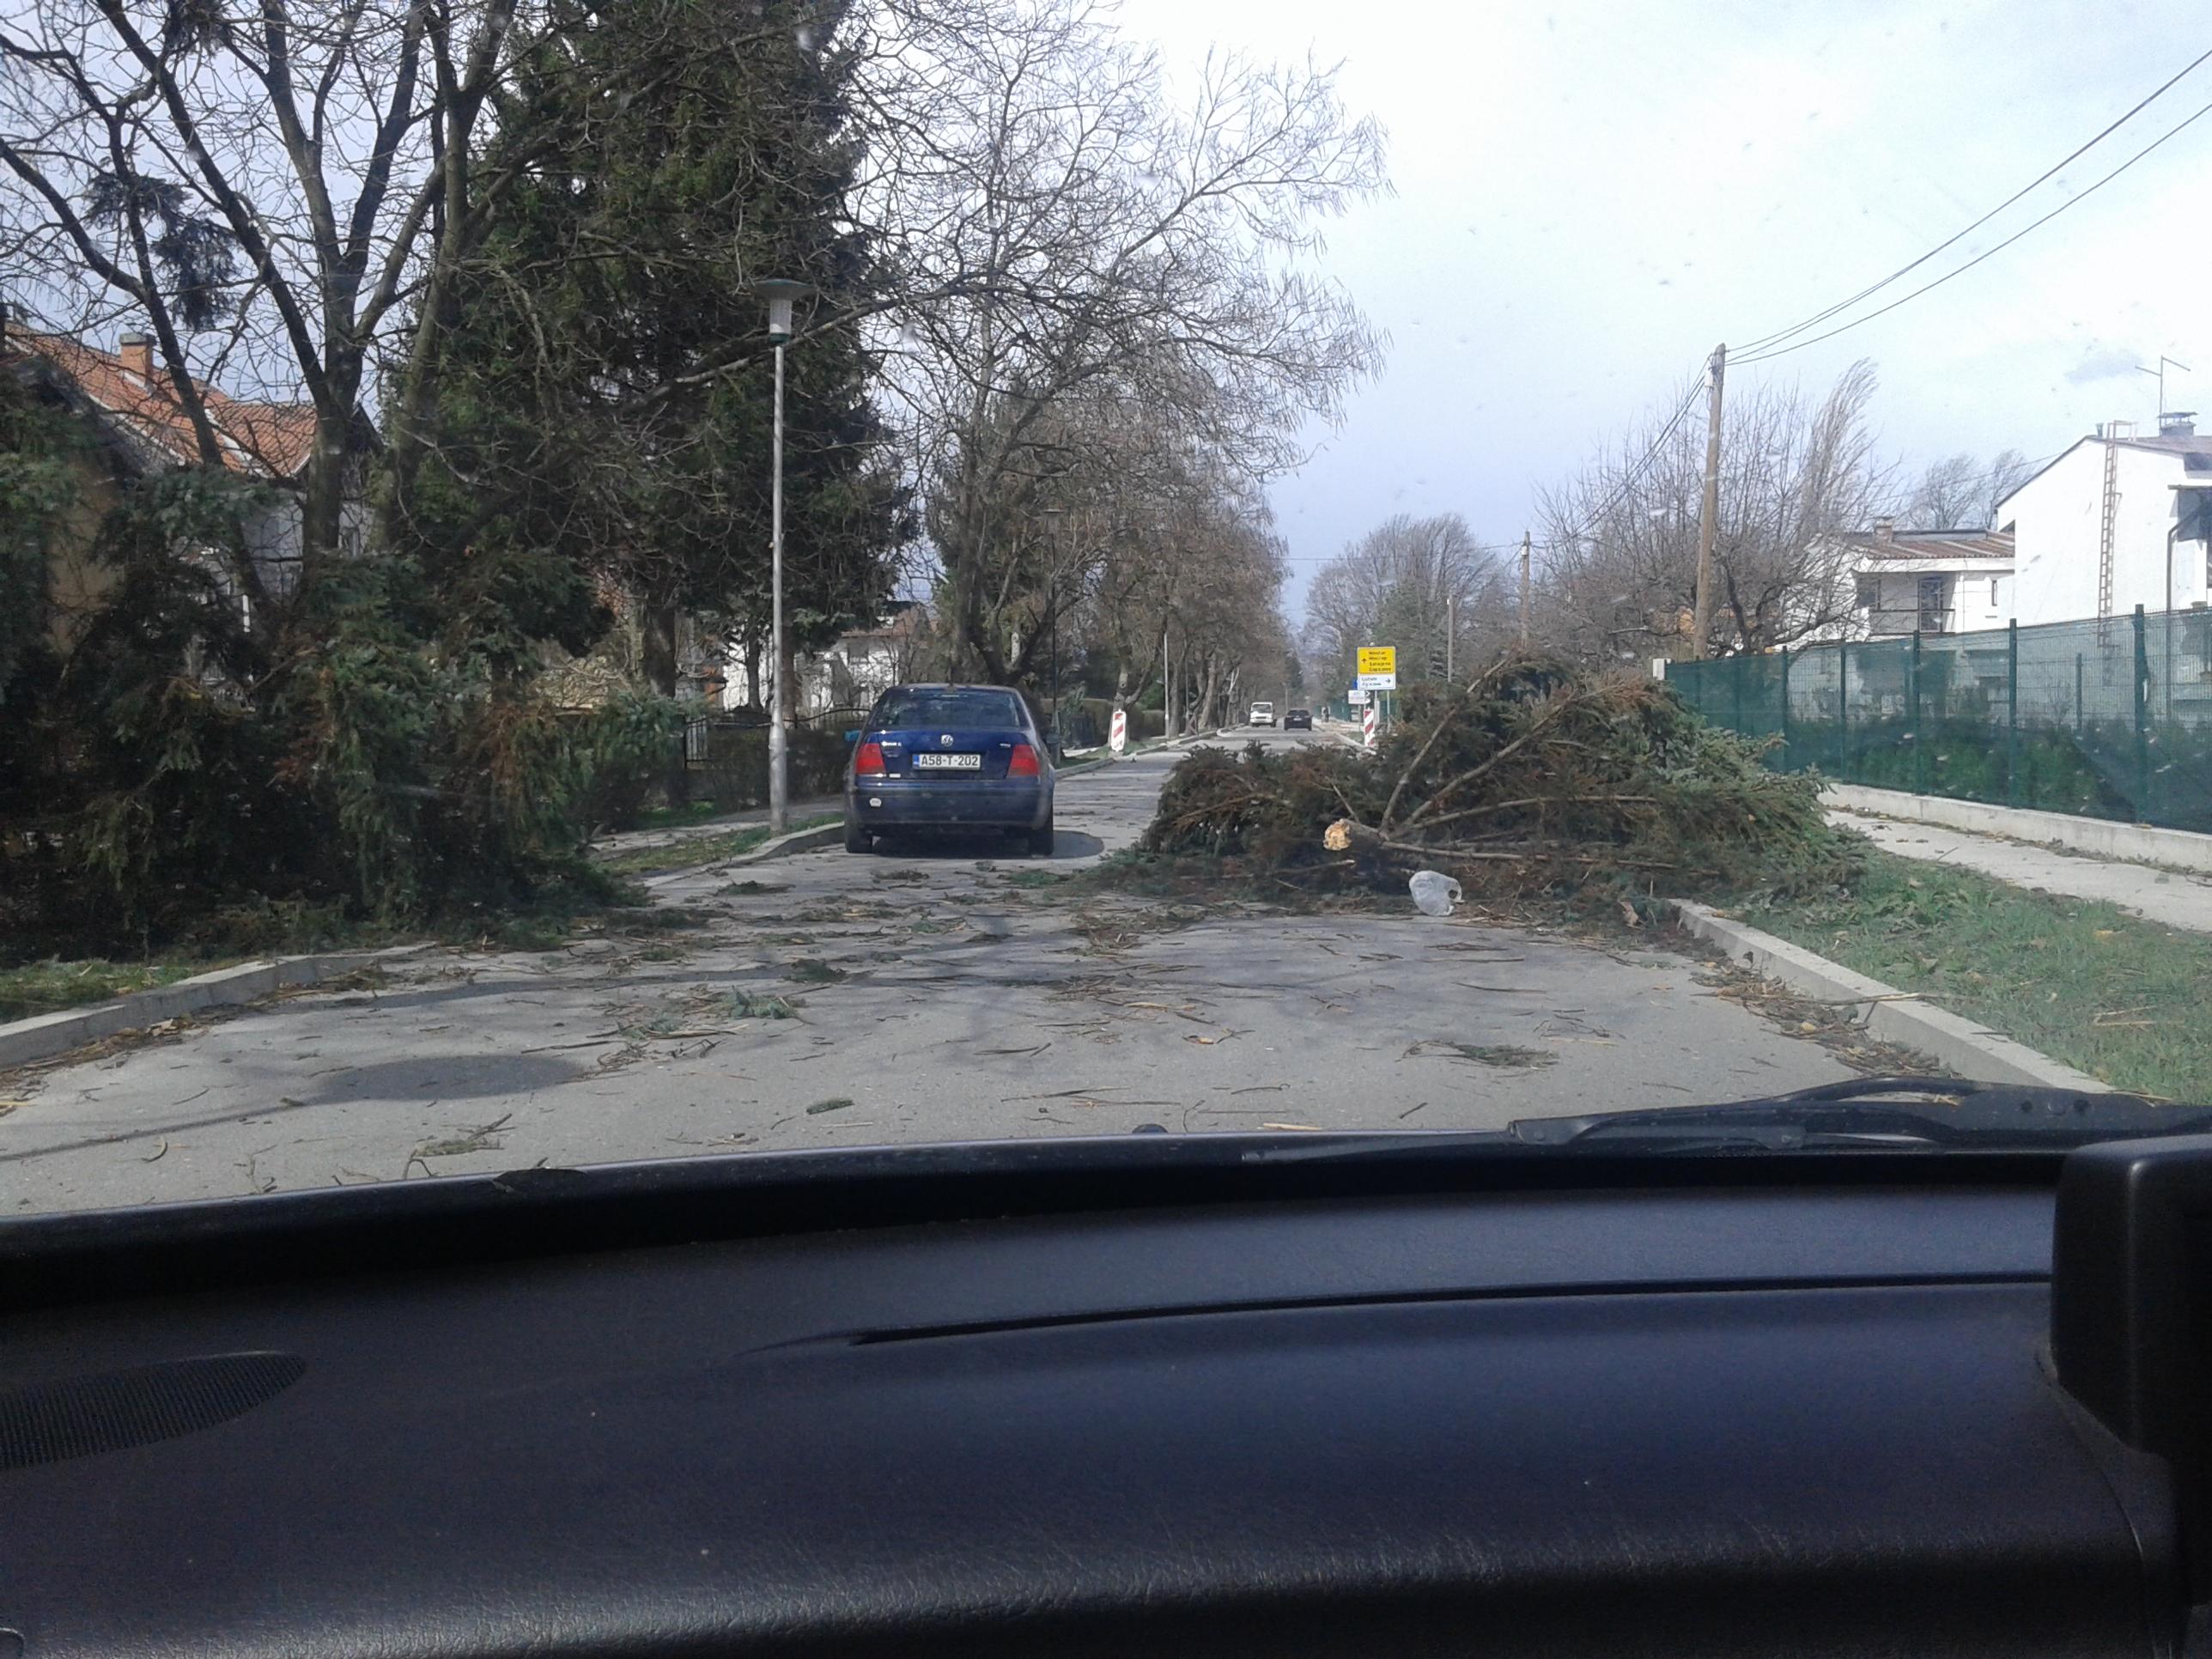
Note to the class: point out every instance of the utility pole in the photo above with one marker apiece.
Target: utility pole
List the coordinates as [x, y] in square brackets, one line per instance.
[1524, 587]
[1451, 626]
[1710, 513]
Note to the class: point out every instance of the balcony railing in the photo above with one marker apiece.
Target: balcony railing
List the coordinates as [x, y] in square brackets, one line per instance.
[1890, 622]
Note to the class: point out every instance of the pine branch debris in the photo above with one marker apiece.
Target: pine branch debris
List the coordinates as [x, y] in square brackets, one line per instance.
[1536, 780]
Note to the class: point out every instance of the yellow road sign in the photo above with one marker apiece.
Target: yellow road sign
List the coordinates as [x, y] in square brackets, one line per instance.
[1379, 659]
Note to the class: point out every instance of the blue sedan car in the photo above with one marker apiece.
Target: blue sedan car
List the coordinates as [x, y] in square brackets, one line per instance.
[948, 757]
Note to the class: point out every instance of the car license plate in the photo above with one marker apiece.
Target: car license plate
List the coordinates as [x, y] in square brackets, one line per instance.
[948, 762]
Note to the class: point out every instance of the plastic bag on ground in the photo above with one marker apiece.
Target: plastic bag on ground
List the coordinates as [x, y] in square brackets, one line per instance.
[1434, 892]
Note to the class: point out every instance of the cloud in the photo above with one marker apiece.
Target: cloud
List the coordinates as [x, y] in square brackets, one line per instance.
[2101, 363]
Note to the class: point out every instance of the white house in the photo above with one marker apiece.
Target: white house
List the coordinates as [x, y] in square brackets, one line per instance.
[1929, 581]
[854, 667]
[2090, 531]
[851, 670]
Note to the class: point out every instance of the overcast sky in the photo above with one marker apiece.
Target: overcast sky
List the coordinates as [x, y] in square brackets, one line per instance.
[1590, 195]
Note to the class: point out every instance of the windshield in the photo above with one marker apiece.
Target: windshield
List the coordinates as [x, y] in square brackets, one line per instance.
[674, 580]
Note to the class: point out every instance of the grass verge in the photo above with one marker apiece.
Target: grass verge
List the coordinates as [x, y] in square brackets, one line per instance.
[699, 850]
[684, 817]
[32, 989]
[2109, 993]
[563, 911]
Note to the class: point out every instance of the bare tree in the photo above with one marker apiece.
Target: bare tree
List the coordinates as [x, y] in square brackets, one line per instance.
[1226, 617]
[1408, 583]
[1621, 538]
[1066, 233]
[273, 190]
[2007, 473]
[1093, 286]
[1961, 493]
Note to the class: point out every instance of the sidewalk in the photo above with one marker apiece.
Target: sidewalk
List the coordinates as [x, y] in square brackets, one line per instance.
[2173, 898]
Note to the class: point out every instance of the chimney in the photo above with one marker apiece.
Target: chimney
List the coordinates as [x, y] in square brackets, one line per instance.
[2178, 423]
[137, 354]
[1885, 533]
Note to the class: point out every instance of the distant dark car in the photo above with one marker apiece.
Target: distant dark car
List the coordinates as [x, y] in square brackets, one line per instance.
[948, 757]
[1299, 720]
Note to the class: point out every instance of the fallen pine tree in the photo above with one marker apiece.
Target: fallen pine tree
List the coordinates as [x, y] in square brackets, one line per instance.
[1534, 778]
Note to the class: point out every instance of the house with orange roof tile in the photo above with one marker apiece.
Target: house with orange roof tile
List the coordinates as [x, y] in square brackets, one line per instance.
[140, 427]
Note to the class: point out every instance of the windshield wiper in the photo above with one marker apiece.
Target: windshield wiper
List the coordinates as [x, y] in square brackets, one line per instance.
[1858, 1114]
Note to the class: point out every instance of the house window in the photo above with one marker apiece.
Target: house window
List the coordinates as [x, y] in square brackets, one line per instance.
[1932, 608]
[1869, 590]
[1993, 593]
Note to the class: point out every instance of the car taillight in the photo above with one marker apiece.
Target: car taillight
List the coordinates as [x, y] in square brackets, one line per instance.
[868, 760]
[1023, 763]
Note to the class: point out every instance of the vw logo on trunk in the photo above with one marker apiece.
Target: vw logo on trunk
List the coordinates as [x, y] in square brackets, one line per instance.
[944, 740]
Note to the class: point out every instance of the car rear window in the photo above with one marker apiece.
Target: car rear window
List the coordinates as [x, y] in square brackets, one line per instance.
[954, 708]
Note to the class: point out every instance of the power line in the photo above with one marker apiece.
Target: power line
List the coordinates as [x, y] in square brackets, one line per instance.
[1620, 492]
[1629, 479]
[1818, 318]
[1333, 558]
[1326, 559]
[1771, 346]
[2072, 201]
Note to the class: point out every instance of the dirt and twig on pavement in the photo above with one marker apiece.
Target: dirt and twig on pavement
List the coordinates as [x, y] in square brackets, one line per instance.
[939, 992]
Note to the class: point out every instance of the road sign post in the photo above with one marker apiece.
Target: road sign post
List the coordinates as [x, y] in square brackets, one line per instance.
[1378, 668]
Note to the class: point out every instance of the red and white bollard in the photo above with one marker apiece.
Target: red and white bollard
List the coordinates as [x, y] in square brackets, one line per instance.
[1367, 726]
[1120, 739]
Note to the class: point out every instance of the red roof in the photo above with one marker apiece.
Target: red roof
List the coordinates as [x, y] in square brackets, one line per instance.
[268, 438]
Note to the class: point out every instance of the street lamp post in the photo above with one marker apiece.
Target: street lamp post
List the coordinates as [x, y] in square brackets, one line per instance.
[1052, 597]
[779, 294]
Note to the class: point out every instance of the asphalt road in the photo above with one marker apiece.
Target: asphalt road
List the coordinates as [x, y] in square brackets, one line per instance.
[952, 992]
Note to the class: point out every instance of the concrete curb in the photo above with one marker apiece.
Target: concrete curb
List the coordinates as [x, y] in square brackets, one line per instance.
[2180, 849]
[45, 1035]
[1892, 1015]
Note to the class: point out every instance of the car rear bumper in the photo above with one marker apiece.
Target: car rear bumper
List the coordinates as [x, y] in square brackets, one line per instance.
[933, 803]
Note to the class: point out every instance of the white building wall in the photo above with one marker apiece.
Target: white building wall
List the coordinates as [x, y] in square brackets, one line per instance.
[1971, 599]
[2054, 521]
[2057, 521]
[2147, 512]
[276, 534]
[1982, 601]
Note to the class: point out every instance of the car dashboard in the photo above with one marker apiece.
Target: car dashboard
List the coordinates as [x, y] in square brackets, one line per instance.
[791, 1406]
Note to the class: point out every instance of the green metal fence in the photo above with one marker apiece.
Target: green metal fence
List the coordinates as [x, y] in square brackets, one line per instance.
[2109, 718]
